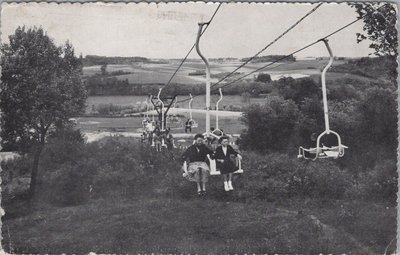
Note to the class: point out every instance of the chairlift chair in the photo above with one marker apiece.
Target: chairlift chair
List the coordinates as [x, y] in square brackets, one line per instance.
[322, 151]
[213, 167]
[174, 115]
[173, 120]
[147, 109]
[193, 123]
[218, 133]
[215, 171]
[163, 129]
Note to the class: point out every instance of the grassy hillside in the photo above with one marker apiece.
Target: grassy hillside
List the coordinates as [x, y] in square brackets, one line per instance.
[117, 196]
[202, 226]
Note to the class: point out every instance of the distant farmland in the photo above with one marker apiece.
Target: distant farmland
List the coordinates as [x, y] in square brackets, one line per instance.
[150, 73]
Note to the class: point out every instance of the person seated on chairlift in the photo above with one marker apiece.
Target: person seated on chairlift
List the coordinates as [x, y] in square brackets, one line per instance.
[188, 126]
[197, 168]
[150, 137]
[143, 137]
[225, 163]
[169, 139]
[212, 139]
[219, 132]
[157, 138]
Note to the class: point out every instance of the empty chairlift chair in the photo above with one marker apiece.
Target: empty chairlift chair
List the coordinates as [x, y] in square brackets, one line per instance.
[191, 120]
[322, 151]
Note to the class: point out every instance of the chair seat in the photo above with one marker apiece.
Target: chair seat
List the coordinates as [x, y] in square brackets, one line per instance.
[217, 172]
[333, 154]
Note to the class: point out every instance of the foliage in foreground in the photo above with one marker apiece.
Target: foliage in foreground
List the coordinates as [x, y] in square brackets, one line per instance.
[134, 190]
[74, 173]
[41, 89]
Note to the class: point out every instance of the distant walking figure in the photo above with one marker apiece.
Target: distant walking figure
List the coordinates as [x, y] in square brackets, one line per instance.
[225, 162]
[197, 170]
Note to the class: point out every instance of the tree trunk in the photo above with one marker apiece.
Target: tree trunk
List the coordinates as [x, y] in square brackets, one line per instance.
[35, 168]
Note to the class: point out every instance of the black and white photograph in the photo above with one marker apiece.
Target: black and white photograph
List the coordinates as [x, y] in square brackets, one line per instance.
[199, 128]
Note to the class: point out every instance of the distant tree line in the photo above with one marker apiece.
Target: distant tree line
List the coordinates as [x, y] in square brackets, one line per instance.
[91, 60]
[271, 58]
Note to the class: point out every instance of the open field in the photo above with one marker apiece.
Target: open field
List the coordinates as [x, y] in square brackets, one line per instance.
[143, 73]
[230, 124]
[198, 101]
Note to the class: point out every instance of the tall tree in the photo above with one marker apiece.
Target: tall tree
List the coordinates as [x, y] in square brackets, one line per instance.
[379, 27]
[41, 89]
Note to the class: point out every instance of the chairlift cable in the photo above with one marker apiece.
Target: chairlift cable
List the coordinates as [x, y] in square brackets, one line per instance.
[286, 56]
[270, 44]
[191, 49]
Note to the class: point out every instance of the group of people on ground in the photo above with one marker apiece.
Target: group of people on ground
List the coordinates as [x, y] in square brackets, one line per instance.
[197, 162]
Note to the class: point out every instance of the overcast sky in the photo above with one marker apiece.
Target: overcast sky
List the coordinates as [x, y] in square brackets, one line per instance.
[169, 30]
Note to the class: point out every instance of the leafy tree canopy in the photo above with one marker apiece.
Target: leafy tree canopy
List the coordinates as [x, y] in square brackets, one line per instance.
[379, 27]
[40, 86]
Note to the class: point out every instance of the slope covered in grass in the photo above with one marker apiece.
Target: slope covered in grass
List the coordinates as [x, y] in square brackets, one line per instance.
[117, 196]
[167, 225]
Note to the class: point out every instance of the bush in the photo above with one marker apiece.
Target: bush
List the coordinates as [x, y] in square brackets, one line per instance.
[72, 183]
[271, 125]
[322, 179]
[63, 145]
[14, 168]
[112, 167]
[297, 89]
[378, 109]
[263, 77]
[380, 183]
[276, 176]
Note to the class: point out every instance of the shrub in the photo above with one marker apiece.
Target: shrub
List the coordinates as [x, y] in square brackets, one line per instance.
[271, 125]
[71, 184]
[380, 183]
[13, 168]
[276, 176]
[297, 89]
[263, 77]
[378, 109]
[63, 145]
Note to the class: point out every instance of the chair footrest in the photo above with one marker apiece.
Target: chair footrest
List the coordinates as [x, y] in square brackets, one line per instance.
[239, 171]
